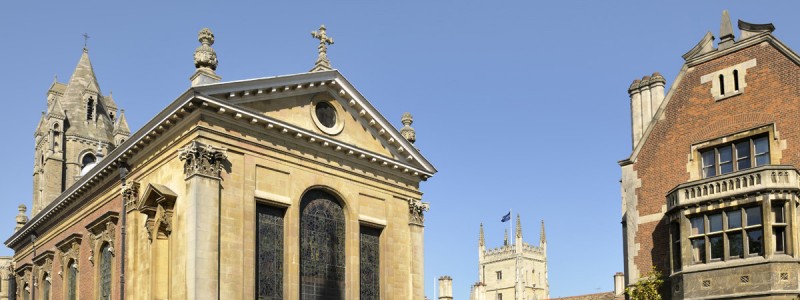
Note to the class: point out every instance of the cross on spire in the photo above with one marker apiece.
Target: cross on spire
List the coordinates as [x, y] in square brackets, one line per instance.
[322, 63]
[85, 40]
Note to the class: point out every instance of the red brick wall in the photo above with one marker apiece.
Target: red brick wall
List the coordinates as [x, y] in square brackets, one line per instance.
[86, 270]
[772, 95]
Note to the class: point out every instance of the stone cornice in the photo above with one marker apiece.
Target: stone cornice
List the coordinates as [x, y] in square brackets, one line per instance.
[190, 100]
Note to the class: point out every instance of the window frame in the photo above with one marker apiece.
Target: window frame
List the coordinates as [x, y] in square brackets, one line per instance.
[735, 158]
[743, 229]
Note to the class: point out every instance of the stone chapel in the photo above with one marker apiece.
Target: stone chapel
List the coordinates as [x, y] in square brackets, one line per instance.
[284, 187]
[710, 189]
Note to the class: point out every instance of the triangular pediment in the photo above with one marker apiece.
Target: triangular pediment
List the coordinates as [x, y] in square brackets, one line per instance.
[295, 99]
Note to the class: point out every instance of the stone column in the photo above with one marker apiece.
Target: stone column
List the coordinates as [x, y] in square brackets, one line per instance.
[416, 218]
[203, 164]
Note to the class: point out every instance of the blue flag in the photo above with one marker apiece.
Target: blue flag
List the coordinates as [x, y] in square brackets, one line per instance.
[507, 217]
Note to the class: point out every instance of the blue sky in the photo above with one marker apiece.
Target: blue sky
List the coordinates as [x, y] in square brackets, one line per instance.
[519, 105]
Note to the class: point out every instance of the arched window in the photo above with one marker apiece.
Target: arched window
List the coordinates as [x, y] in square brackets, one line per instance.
[72, 280]
[736, 80]
[105, 272]
[322, 239]
[87, 162]
[90, 109]
[721, 84]
[46, 286]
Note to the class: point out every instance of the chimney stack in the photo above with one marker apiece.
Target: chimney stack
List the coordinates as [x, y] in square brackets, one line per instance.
[445, 288]
[646, 96]
[619, 284]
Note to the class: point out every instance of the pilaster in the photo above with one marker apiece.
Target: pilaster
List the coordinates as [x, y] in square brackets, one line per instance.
[202, 166]
[416, 214]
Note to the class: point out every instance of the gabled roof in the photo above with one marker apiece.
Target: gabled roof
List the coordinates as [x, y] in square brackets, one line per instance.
[122, 125]
[237, 92]
[55, 110]
[696, 56]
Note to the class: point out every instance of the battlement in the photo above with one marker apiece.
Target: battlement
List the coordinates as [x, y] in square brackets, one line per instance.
[509, 251]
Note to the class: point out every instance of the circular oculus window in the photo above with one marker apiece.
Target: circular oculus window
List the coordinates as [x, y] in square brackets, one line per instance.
[326, 116]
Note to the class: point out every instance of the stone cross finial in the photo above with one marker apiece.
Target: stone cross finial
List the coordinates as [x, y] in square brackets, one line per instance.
[204, 55]
[85, 42]
[322, 64]
[407, 131]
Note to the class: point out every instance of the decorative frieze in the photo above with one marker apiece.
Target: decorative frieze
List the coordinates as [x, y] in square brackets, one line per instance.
[200, 159]
[416, 211]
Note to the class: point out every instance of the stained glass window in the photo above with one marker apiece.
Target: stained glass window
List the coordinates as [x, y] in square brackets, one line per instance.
[105, 273]
[370, 263]
[72, 286]
[322, 258]
[269, 249]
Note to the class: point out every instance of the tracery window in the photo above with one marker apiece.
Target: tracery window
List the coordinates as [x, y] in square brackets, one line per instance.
[105, 272]
[322, 240]
[370, 263]
[269, 251]
[72, 283]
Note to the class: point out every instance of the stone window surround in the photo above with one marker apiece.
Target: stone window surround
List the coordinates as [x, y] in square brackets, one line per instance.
[44, 271]
[340, 113]
[69, 251]
[102, 231]
[24, 276]
[735, 156]
[766, 201]
[724, 232]
[727, 74]
[695, 163]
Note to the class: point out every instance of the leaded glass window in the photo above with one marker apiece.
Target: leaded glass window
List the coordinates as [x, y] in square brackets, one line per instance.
[72, 284]
[46, 287]
[105, 273]
[370, 263]
[269, 251]
[26, 294]
[322, 239]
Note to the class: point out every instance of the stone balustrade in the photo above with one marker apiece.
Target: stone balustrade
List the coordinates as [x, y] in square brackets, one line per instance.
[749, 181]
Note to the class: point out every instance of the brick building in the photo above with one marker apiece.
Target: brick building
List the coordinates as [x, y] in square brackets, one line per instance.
[710, 190]
[283, 187]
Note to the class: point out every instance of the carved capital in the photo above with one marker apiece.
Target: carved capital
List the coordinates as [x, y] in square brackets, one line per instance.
[130, 195]
[416, 211]
[200, 159]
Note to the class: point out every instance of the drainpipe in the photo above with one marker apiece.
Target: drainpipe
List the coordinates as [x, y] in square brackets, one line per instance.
[33, 284]
[123, 174]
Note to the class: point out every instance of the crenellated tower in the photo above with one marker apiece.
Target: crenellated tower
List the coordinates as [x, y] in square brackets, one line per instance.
[79, 120]
[516, 269]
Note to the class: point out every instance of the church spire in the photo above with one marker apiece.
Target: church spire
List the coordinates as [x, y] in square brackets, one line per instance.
[519, 228]
[121, 129]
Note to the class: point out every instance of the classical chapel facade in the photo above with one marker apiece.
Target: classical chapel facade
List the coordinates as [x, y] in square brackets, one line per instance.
[710, 190]
[287, 187]
[516, 270]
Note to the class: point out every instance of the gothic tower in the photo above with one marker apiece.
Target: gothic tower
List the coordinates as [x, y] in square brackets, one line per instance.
[79, 123]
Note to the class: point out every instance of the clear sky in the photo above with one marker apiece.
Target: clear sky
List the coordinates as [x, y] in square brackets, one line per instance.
[519, 105]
